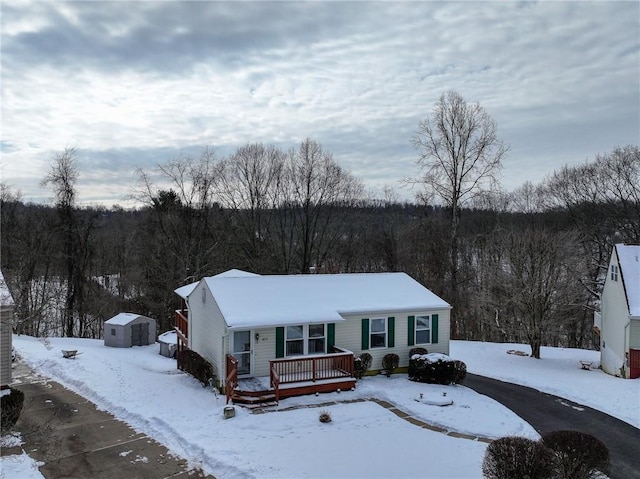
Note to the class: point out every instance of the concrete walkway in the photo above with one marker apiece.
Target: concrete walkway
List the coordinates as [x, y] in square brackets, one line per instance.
[394, 409]
[74, 439]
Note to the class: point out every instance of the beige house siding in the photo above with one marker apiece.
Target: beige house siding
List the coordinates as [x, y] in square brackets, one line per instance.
[6, 320]
[349, 335]
[264, 350]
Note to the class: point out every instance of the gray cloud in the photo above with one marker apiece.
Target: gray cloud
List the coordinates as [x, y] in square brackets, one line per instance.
[131, 84]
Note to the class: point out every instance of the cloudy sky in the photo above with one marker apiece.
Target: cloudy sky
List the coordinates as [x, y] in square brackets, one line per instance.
[134, 84]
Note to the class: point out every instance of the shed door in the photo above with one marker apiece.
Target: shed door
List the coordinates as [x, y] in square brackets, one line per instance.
[140, 334]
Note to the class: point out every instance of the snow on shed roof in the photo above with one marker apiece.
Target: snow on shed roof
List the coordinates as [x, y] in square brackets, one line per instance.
[629, 260]
[278, 300]
[5, 294]
[123, 318]
[186, 290]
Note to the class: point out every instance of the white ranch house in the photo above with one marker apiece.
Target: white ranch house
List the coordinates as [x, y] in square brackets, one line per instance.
[618, 321]
[285, 335]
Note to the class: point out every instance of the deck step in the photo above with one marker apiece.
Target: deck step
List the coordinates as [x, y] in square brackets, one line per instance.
[243, 399]
[257, 406]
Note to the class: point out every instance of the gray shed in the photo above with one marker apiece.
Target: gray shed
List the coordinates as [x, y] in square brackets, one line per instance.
[129, 329]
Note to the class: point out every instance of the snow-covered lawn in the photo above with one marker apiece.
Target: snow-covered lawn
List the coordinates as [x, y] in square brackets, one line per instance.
[364, 439]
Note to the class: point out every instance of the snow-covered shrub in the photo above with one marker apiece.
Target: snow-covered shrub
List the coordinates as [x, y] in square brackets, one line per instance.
[433, 368]
[10, 407]
[517, 457]
[460, 371]
[325, 416]
[194, 364]
[361, 365]
[417, 350]
[578, 455]
[390, 362]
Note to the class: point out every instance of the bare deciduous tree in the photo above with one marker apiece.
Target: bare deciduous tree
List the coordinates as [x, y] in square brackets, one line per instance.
[317, 196]
[460, 156]
[62, 178]
[537, 281]
[249, 183]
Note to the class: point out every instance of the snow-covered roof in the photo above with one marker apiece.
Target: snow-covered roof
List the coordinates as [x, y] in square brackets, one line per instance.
[278, 300]
[629, 260]
[123, 318]
[5, 294]
[170, 337]
[186, 290]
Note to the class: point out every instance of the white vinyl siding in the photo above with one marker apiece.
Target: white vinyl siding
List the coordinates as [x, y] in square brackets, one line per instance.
[349, 335]
[208, 335]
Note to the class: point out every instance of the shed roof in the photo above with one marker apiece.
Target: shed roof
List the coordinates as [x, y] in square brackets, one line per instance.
[629, 261]
[122, 319]
[278, 300]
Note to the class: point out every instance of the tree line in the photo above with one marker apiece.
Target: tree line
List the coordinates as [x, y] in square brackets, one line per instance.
[521, 266]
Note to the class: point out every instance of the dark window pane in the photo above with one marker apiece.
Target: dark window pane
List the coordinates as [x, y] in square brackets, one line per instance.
[295, 348]
[423, 336]
[316, 346]
[378, 340]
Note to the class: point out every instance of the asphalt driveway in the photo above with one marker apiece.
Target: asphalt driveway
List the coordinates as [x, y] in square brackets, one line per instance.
[547, 413]
[73, 439]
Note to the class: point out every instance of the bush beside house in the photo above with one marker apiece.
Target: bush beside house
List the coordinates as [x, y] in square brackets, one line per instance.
[10, 407]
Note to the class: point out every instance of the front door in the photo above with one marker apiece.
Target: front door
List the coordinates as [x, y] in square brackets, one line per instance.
[241, 346]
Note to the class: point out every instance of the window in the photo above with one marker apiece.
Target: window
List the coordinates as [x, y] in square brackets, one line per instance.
[113, 331]
[295, 340]
[316, 339]
[423, 330]
[305, 339]
[378, 333]
[614, 272]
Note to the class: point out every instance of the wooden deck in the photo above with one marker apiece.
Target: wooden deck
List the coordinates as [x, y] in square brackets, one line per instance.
[292, 377]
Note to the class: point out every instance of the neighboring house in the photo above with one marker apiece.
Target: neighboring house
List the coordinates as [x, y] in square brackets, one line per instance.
[299, 333]
[6, 328]
[129, 329]
[618, 322]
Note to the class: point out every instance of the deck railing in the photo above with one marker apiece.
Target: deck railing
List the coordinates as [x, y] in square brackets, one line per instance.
[182, 321]
[338, 364]
[231, 381]
[275, 383]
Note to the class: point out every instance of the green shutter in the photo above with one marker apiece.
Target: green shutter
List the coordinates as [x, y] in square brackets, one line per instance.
[434, 328]
[331, 337]
[280, 342]
[365, 334]
[411, 327]
[391, 325]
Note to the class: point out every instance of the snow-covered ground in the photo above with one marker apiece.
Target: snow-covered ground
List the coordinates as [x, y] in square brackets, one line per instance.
[363, 440]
